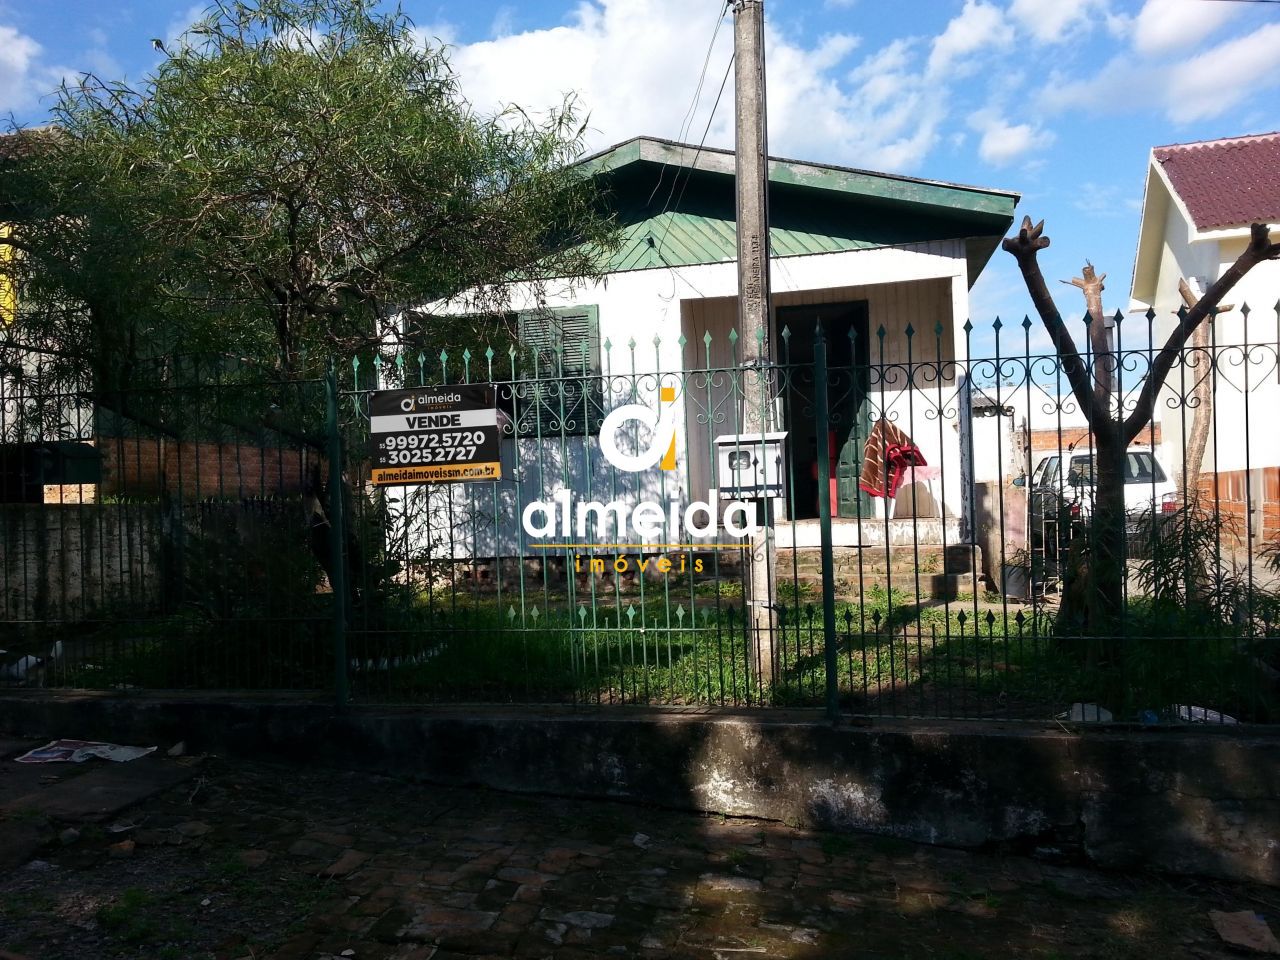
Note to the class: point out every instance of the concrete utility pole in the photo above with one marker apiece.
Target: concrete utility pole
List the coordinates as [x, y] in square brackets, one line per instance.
[752, 173]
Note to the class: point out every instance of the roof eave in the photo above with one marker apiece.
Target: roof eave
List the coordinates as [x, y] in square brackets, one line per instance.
[849, 181]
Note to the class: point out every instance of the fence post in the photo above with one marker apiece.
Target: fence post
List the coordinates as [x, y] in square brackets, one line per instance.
[337, 527]
[824, 515]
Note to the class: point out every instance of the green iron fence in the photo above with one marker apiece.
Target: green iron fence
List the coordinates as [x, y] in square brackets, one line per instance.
[218, 530]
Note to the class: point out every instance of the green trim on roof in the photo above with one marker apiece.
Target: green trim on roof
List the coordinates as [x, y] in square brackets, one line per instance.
[676, 206]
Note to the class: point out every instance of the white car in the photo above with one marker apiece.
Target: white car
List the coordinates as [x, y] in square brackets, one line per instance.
[1057, 498]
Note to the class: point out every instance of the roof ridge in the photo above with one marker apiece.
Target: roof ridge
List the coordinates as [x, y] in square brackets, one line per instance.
[1219, 141]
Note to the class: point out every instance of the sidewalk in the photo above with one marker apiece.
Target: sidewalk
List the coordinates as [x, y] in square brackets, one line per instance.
[247, 860]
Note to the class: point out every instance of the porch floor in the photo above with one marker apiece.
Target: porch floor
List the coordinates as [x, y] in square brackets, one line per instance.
[869, 532]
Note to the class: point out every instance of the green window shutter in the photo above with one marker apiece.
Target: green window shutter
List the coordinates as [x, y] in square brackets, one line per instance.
[562, 392]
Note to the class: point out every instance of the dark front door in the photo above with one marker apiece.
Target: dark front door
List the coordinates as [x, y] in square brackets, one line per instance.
[844, 327]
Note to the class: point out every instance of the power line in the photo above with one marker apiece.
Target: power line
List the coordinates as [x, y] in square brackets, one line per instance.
[689, 175]
[693, 104]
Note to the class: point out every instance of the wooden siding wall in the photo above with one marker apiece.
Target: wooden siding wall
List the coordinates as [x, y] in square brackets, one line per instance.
[920, 303]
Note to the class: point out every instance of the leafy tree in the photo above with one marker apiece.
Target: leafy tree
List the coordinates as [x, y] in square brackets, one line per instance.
[1101, 603]
[291, 174]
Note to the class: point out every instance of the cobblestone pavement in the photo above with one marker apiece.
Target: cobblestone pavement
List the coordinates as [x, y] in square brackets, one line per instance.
[259, 861]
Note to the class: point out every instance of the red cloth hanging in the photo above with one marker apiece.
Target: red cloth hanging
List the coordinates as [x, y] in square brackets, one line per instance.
[887, 455]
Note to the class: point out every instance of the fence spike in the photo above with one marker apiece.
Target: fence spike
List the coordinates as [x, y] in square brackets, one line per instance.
[1118, 318]
[998, 325]
[681, 341]
[489, 354]
[733, 335]
[1026, 322]
[706, 339]
[910, 331]
[937, 329]
[968, 327]
[1244, 310]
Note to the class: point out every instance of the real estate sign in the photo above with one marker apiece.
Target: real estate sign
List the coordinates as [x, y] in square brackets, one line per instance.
[434, 435]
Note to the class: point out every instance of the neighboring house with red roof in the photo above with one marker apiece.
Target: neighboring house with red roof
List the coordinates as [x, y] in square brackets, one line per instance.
[1200, 200]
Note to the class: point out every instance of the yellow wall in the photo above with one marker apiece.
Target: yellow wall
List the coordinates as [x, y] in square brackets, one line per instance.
[8, 296]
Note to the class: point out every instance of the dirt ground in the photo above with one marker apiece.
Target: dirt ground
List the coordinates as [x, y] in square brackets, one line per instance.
[248, 860]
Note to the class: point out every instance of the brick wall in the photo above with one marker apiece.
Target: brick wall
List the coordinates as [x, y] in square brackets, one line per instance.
[1046, 441]
[1228, 494]
[198, 470]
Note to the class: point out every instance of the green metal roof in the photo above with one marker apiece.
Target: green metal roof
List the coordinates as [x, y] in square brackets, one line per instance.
[676, 205]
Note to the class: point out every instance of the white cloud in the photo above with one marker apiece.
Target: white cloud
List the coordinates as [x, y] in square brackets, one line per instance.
[635, 64]
[1055, 21]
[20, 75]
[1163, 26]
[1104, 200]
[1201, 88]
[25, 77]
[838, 4]
[977, 27]
[1003, 142]
[503, 24]
[183, 22]
[1217, 80]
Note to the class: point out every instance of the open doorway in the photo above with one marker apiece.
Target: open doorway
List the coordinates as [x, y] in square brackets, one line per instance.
[845, 329]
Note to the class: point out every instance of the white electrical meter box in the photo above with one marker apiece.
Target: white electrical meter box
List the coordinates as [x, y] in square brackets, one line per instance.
[749, 466]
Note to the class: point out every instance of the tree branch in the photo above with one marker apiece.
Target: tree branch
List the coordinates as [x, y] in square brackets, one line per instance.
[1024, 247]
[1260, 248]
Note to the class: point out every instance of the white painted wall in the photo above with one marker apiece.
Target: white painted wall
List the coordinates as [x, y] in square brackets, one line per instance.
[1247, 380]
[921, 284]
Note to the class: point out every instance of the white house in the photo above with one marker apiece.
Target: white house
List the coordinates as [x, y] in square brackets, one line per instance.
[883, 262]
[1200, 200]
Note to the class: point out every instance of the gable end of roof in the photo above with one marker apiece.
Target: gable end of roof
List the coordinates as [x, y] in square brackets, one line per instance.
[1226, 183]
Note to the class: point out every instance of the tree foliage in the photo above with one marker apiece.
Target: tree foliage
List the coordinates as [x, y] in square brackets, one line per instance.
[291, 174]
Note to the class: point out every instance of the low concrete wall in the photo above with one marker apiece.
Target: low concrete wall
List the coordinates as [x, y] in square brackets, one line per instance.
[65, 561]
[1186, 801]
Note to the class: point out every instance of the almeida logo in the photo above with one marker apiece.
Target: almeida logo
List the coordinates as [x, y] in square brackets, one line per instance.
[647, 520]
[662, 423]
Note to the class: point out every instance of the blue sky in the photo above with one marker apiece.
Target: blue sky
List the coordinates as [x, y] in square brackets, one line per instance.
[1060, 100]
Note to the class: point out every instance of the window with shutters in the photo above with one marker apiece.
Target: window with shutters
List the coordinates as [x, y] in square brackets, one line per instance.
[562, 392]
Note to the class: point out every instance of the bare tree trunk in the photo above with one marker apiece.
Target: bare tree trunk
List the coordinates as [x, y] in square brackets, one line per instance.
[1104, 567]
[1202, 399]
[1106, 576]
